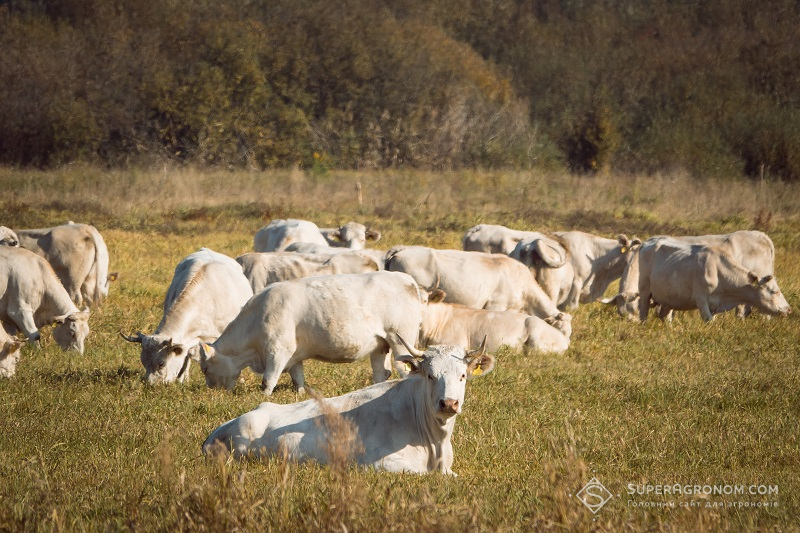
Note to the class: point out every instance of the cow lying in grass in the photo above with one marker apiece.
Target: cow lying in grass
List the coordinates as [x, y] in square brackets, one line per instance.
[464, 326]
[402, 425]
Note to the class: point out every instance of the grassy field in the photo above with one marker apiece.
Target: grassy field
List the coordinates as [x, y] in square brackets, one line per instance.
[86, 445]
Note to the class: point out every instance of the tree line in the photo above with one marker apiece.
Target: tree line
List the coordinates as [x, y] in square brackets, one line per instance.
[711, 88]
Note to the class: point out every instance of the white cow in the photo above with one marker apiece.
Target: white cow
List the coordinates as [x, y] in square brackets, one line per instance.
[79, 257]
[592, 264]
[9, 353]
[31, 296]
[207, 291]
[278, 234]
[327, 251]
[753, 249]
[475, 279]
[264, 268]
[338, 319]
[8, 237]
[538, 248]
[402, 425]
[678, 275]
[444, 323]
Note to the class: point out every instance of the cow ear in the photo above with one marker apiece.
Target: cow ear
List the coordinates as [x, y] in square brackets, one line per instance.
[334, 235]
[480, 365]
[752, 278]
[479, 362]
[176, 349]
[206, 353]
[413, 365]
[13, 345]
[436, 296]
[373, 235]
[766, 279]
[60, 319]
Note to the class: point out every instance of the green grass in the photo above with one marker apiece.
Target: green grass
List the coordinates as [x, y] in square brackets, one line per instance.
[86, 445]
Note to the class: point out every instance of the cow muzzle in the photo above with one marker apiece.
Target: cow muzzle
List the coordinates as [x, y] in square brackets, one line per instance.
[449, 407]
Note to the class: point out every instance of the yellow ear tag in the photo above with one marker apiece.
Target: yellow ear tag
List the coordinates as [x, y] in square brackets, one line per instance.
[477, 371]
[624, 249]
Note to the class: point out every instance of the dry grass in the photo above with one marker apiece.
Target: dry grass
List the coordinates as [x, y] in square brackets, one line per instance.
[86, 445]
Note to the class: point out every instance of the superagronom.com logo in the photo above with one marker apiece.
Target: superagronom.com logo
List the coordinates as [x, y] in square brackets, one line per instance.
[594, 495]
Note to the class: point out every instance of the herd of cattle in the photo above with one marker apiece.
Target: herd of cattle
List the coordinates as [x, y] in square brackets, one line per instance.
[312, 293]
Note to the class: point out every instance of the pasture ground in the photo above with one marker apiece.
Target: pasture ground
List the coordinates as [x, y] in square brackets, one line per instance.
[86, 445]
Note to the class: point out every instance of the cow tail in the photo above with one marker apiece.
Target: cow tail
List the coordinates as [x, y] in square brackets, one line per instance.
[100, 266]
[390, 255]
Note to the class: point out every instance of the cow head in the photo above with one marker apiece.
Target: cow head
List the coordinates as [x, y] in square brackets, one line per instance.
[164, 361]
[71, 330]
[445, 370]
[9, 356]
[8, 237]
[628, 246]
[562, 322]
[627, 304]
[217, 368]
[352, 235]
[769, 299]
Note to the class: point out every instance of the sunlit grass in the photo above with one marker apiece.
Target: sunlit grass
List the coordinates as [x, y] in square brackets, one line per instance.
[85, 445]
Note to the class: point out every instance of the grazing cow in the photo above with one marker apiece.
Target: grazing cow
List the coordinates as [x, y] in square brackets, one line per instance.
[317, 249]
[753, 249]
[8, 237]
[278, 234]
[682, 276]
[31, 296]
[79, 257]
[537, 249]
[338, 319]
[444, 323]
[265, 268]
[593, 263]
[9, 353]
[207, 291]
[402, 425]
[475, 279]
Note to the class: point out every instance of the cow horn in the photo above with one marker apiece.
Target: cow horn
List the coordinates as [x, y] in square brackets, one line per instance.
[413, 351]
[137, 338]
[481, 349]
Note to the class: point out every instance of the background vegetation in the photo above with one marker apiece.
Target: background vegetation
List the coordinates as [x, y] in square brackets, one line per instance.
[709, 87]
[86, 445]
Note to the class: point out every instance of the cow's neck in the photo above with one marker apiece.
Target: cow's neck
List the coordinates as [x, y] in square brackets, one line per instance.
[607, 262]
[56, 302]
[537, 303]
[435, 434]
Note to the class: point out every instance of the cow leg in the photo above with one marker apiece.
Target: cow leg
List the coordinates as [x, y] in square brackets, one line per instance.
[644, 305]
[665, 313]
[381, 366]
[743, 310]
[276, 364]
[705, 310]
[23, 318]
[298, 378]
